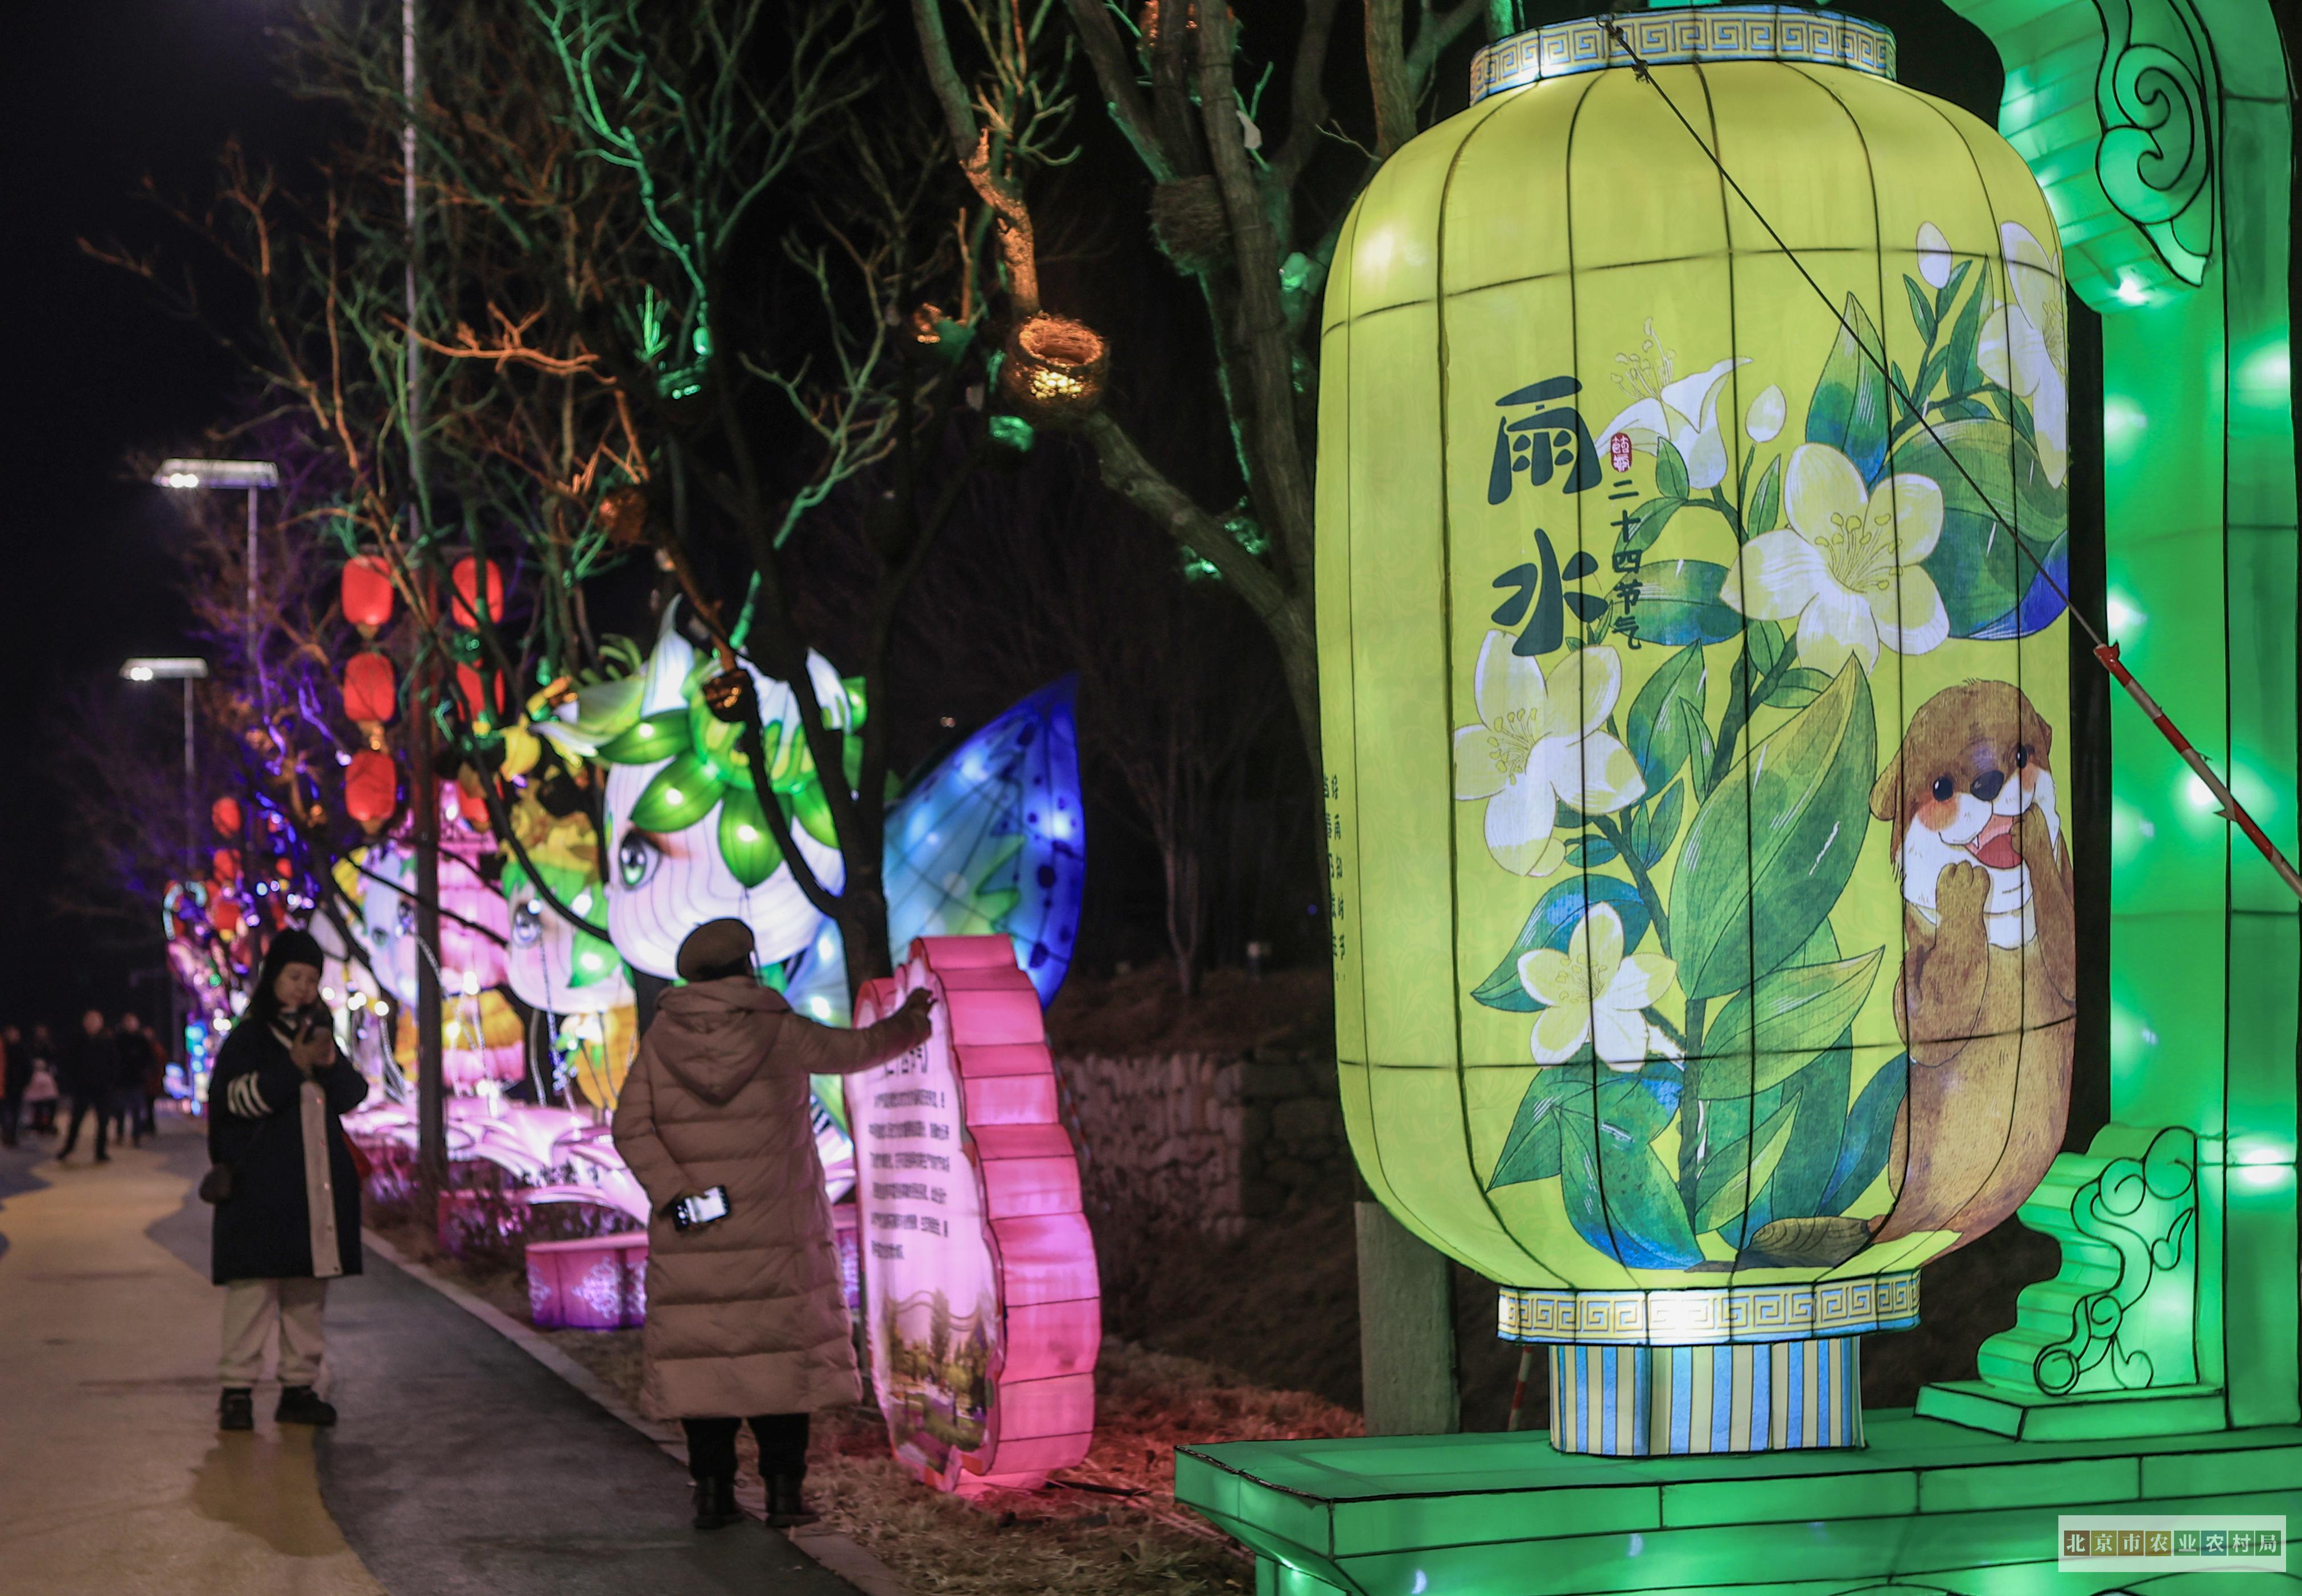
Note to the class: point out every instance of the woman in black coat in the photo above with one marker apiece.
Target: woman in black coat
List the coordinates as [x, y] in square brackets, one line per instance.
[291, 1222]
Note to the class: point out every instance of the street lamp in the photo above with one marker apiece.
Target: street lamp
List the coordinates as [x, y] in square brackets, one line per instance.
[176, 668]
[255, 475]
[179, 669]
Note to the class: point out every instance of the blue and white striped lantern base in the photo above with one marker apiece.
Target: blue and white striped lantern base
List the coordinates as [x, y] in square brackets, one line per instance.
[1667, 1401]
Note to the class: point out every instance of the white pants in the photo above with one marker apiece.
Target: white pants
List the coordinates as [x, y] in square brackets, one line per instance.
[249, 1310]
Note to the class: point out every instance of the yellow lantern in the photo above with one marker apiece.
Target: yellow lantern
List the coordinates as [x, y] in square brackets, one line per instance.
[1692, 536]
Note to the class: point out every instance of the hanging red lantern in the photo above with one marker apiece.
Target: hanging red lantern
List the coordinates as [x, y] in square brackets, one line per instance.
[283, 867]
[483, 696]
[225, 862]
[366, 593]
[466, 579]
[223, 814]
[370, 690]
[223, 912]
[371, 789]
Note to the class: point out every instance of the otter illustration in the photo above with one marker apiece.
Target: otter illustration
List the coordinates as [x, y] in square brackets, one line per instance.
[1988, 984]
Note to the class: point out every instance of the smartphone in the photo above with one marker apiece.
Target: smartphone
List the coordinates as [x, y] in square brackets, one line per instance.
[701, 1209]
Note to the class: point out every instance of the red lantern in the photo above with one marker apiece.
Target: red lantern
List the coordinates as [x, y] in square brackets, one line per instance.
[225, 862]
[371, 789]
[370, 690]
[283, 867]
[366, 591]
[223, 912]
[483, 696]
[223, 814]
[465, 578]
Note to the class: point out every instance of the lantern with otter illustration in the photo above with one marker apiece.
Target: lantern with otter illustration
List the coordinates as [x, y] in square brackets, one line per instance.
[1694, 677]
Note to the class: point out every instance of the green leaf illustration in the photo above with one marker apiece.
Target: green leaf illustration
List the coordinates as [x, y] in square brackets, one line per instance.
[1984, 469]
[682, 793]
[1867, 1135]
[1531, 1151]
[656, 737]
[1659, 729]
[1662, 824]
[1679, 604]
[1848, 410]
[1647, 523]
[746, 844]
[1764, 1036]
[1766, 514]
[1774, 843]
[1631, 1212]
[1798, 687]
[1589, 852]
[1958, 355]
[1922, 311]
[1670, 469]
[1552, 925]
[1733, 1177]
[813, 812]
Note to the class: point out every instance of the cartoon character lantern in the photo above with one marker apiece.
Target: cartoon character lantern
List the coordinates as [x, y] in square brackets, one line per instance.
[1694, 698]
[688, 839]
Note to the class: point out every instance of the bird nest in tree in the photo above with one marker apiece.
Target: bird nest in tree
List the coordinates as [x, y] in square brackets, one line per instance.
[1189, 223]
[1055, 370]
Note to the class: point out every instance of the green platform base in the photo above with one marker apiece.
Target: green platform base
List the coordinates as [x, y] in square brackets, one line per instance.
[1926, 1507]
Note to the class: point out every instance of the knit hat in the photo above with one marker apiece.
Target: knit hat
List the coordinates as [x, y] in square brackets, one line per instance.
[715, 947]
[292, 947]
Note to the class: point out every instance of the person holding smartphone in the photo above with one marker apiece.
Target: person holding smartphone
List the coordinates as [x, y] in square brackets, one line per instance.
[287, 1216]
[745, 1314]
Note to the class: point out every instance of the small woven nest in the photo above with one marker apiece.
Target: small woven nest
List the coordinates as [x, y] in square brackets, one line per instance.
[1190, 224]
[623, 512]
[1055, 370]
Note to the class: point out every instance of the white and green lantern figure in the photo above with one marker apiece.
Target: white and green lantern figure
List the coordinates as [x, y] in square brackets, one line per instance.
[1695, 680]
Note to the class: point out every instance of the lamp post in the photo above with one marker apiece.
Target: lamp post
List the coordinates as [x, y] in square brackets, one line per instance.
[187, 670]
[255, 475]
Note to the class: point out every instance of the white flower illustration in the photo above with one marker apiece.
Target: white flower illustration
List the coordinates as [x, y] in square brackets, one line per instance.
[1847, 570]
[2025, 347]
[1764, 419]
[1539, 744]
[1686, 410]
[1595, 993]
[1933, 254]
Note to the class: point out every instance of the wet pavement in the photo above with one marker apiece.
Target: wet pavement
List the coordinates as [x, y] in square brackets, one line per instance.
[460, 1466]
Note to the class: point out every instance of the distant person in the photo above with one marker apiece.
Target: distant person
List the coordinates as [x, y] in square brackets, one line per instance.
[746, 1317]
[15, 1080]
[89, 1073]
[40, 1096]
[291, 1222]
[143, 1077]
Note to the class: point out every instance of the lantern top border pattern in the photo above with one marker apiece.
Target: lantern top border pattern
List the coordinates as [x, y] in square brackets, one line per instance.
[1706, 34]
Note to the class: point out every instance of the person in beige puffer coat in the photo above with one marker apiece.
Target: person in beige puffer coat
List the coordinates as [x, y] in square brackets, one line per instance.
[745, 1316]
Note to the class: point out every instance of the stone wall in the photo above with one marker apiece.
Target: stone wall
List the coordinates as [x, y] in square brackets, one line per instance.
[1202, 1141]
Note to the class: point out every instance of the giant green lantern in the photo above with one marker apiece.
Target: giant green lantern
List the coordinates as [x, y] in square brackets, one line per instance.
[1691, 530]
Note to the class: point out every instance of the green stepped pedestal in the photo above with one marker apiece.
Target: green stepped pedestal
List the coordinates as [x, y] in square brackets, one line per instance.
[1931, 1506]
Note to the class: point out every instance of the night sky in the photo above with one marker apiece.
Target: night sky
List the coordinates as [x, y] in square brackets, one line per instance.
[97, 96]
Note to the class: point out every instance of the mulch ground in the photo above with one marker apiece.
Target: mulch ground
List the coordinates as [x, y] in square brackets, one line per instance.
[1110, 1525]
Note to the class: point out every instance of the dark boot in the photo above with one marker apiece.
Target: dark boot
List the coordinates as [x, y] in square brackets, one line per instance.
[236, 1409]
[786, 1509]
[715, 1503]
[301, 1405]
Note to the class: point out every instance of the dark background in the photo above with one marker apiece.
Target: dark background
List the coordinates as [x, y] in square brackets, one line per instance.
[93, 99]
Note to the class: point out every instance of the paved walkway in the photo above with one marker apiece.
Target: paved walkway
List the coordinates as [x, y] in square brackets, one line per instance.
[461, 1465]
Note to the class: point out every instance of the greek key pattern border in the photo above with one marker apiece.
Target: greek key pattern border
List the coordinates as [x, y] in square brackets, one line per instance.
[1671, 38]
[1708, 1316]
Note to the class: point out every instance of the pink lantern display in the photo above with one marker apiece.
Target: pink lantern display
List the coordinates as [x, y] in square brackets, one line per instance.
[982, 1303]
[596, 1282]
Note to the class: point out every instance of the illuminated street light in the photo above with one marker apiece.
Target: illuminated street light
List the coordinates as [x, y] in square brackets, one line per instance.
[255, 475]
[177, 668]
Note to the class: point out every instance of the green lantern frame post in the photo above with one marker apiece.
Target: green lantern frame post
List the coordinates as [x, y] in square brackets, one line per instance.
[2159, 1372]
